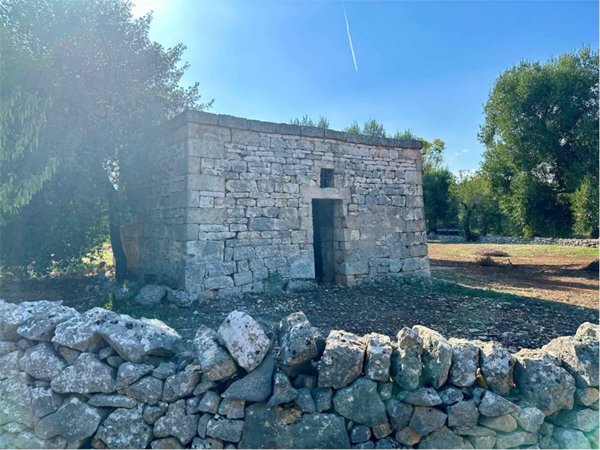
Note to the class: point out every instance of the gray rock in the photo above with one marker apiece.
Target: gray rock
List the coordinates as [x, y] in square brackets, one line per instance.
[148, 390]
[399, 413]
[81, 332]
[181, 384]
[342, 360]
[465, 362]
[305, 401]
[125, 428]
[7, 347]
[500, 423]
[11, 316]
[207, 443]
[203, 423]
[515, 439]
[128, 373]
[254, 387]
[112, 401]
[305, 381]
[581, 419]
[543, 382]
[177, 423]
[150, 295]
[68, 354]
[323, 398]
[483, 442]
[442, 438]
[105, 352]
[497, 366]
[407, 436]
[579, 355]
[191, 405]
[44, 401]
[169, 442]
[594, 437]
[570, 438]
[215, 362]
[586, 396]
[225, 429]
[183, 299]
[231, 408]
[87, 375]
[152, 413]
[588, 330]
[43, 317]
[474, 431]
[426, 419]
[74, 420]
[308, 431]
[164, 370]
[493, 405]
[382, 430]
[360, 402]
[388, 443]
[531, 419]
[126, 291]
[297, 342]
[16, 401]
[436, 356]
[463, 414]
[421, 397]
[365, 445]
[283, 391]
[9, 364]
[42, 362]
[378, 357]
[450, 395]
[546, 429]
[210, 402]
[360, 434]
[406, 364]
[23, 438]
[245, 339]
[386, 391]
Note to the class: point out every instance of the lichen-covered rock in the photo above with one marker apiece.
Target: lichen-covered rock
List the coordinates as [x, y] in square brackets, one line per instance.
[360, 434]
[112, 401]
[125, 428]
[530, 419]
[465, 361]
[207, 443]
[450, 395]
[581, 419]
[148, 390]
[515, 439]
[323, 398]
[81, 332]
[23, 438]
[209, 403]
[378, 357]
[42, 362]
[360, 402]
[177, 423]
[436, 356]
[231, 408]
[245, 339]
[406, 364]
[7, 347]
[463, 414]
[586, 396]
[181, 384]
[16, 401]
[342, 360]
[483, 442]
[256, 386]
[9, 364]
[87, 375]
[291, 430]
[164, 443]
[570, 438]
[183, 299]
[407, 436]
[442, 438]
[305, 402]
[152, 412]
[499, 423]
[543, 382]
[215, 362]
[43, 317]
[399, 413]
[44, 401]
[225, 429]
[297, 341]
[74, 420]
[492, 405]
[128, 373]
[426, 419]
[150, 295]
[283, 391]
[497, 366]
[426, 396]
[164, 370]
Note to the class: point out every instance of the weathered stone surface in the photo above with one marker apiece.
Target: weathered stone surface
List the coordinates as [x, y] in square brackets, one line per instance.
[360, 434]
[323, 398]
[87, 375]
[515, 439]
[256, 386]
[43, 317]
[492, 405]
[570, 438]
[442, 438]
[474, 431]
[499, 423]
[406, 364]
[181, 384]
[436, 356]
[581, 419]
[177, 423]
[41, 362]
[164, 370]
[80, 332]
[112, 401]
[307, 431]
[16, 401]
[426, 419]
[169, 442]
[531, 419]
[463, 414]
[245, 339]
[407, 436]
[586, 396]
[225, 429]
[283, 391]
[342, 360]
[543, 382]
[148, 390]
[9, 364]
[152, 413]
[360, 402]
[210, 402]
[125, 428]
[74, 420]
[215, 362]
[483, 442]
[21, 437]
[207, 443]
[378, 357]
[150, 295]
[465, 361]
[7, 347]
[183, 299]
[399, 413]
[426, 396]
[305, 402]
[231, 408]
[497, 366]
[297, 341]
[382, 430]
[450, 395]
[44, 401]
[128, 373]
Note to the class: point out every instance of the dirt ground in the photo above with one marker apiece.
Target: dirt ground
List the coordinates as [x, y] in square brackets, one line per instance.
[553, 299]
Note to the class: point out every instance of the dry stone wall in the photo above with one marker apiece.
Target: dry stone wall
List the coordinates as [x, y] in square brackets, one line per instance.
[233, 209]
[104, 380]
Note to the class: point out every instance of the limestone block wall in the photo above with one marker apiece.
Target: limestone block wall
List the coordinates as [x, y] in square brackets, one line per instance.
[251, 189]
[105, 380]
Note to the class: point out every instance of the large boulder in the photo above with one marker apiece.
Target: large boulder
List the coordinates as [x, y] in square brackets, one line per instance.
[216, 364]
[465, 362]
[570, 438]
[342, 360]
[360, 403]
[87, 375]
[283, 391]
[497, 366]
[297, 341]
[16, 401]
[125, 428]
[150, 295]
[42, 362]
[81, 332]
[436, 356]
[256, 386]
[43, 317]
[406, 359]
[246, 341]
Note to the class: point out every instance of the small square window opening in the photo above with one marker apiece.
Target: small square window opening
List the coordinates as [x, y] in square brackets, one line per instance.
[327, 178]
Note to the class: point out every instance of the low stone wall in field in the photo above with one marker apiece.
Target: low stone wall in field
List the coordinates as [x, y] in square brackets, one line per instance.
[106, 380]
[519, 240]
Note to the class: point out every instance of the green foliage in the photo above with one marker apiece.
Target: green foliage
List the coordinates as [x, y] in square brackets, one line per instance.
[354, 128]
[441, 208]
[373, 128]
[584, 204]
[541, 134]
[308, 121]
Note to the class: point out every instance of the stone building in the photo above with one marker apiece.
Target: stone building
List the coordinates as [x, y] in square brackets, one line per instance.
[230, 205]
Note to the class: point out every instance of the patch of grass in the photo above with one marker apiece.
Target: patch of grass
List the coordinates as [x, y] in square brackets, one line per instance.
[515, 250]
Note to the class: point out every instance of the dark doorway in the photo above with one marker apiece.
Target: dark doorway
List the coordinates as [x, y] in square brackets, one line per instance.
[323, 228]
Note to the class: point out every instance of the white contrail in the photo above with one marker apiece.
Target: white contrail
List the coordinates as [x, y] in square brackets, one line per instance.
[350, 37]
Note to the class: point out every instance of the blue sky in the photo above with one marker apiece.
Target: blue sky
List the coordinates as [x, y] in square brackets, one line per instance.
[424, 65]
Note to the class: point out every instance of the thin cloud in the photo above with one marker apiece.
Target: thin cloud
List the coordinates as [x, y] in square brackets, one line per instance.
[349, 37]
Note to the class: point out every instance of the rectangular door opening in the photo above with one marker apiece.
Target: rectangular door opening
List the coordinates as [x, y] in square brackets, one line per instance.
[323, 240]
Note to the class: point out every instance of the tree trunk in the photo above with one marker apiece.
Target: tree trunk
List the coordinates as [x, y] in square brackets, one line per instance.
[114, 225]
